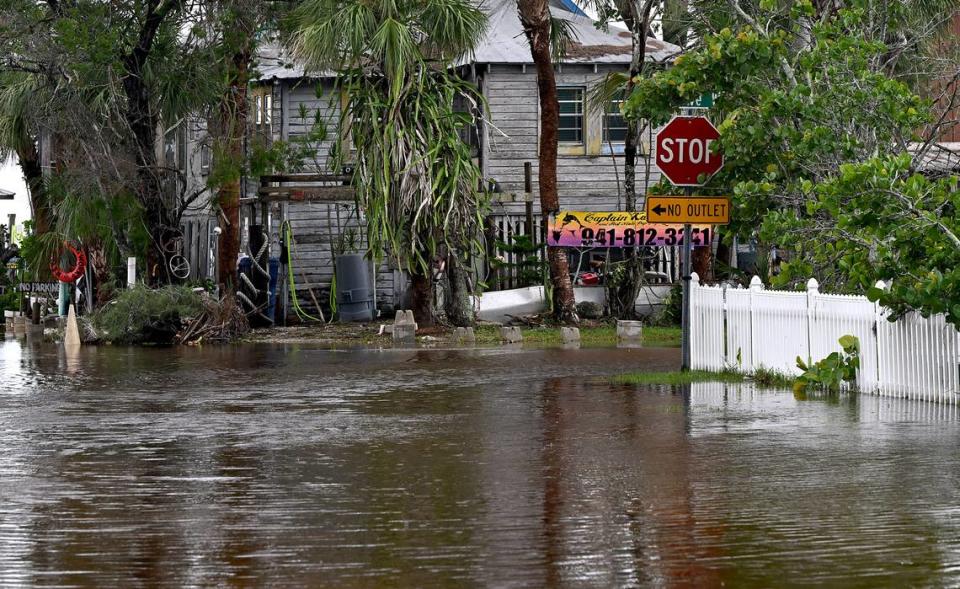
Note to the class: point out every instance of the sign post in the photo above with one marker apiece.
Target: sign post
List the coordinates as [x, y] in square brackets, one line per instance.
[685, 263]
[685, 157]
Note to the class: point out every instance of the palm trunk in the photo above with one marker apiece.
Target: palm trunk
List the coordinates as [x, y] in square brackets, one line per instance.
[29, 160]
[232, 129]
[421, 298]
[702, 263]
[457, 302]
[535, 16]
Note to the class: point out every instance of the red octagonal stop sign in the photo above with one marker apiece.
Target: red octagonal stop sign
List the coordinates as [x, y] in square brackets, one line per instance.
[683, 150]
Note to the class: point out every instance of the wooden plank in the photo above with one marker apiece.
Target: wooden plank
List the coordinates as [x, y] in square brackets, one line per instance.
[288, 178]
[509, 106]
[311, 193]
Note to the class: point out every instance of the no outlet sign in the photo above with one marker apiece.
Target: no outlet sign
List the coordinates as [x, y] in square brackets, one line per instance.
[684, 151]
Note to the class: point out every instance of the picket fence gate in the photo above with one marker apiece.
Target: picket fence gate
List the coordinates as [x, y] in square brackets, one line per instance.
[746, 329]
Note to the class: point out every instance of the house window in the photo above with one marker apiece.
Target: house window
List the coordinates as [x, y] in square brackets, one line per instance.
[170, 150]
[570, 129]
[614, 125]
[206, 158]
[263, 111]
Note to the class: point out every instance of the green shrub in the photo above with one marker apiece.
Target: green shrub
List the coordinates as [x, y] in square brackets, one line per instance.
[9, 301]
[589, 310]
[832, 371]
[672, 312]
[142, 315]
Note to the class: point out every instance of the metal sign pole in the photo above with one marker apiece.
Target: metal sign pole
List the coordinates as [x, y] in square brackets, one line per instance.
[685, 318]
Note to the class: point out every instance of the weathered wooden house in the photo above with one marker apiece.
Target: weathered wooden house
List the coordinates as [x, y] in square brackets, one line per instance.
[289, 104]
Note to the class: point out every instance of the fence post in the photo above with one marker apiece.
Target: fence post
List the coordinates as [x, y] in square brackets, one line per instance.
[528, 199]
[813, 289]
[756, 285]
[723, 324]
[693, 359]
[131, 272]
[877, 318]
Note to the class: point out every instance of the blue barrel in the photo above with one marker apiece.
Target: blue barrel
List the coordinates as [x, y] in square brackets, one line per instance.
[274, 270]
[354, 288]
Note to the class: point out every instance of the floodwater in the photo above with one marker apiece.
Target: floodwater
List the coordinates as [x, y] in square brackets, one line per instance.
[292, 466]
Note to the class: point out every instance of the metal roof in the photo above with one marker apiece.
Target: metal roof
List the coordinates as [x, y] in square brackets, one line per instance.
[6, 194]
[275, 63]
[505, 43]
[940, 158]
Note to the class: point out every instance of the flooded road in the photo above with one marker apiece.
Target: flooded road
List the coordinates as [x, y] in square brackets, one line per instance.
[293, 466]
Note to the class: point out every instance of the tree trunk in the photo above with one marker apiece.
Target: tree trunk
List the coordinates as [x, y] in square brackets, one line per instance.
[143, 123]
[421, 298]
[622, 295]
[29, 160]
[535, 17]
[637, 19]
[232, 130]
[702, 262]
[458, 308]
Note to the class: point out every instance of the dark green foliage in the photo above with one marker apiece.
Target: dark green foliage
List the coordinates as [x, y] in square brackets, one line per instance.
[9, 299]
[816, 113]
[672, 311]
[530, 264]
[142, 315]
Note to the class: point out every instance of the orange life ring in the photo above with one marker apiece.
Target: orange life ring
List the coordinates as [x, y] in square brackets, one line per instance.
[78, 269]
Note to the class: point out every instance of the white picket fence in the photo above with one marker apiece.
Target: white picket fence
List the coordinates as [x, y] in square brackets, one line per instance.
[745, 329]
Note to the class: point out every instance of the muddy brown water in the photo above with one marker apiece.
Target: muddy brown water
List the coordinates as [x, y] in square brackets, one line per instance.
[293, 466]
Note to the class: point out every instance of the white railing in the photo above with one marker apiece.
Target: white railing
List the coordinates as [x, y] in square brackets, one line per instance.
[746, 329]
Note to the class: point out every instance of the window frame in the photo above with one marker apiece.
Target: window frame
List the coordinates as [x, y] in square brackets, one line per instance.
[613, 110]
[582, 114]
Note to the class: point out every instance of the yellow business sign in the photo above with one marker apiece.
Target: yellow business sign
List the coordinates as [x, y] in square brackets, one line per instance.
[704, 210]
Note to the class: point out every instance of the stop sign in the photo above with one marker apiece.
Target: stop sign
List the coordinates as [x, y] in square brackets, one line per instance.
[683, 150]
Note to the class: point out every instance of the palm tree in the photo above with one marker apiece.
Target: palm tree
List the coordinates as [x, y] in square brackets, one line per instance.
[546, 38]
[16, 140]
[413, 176]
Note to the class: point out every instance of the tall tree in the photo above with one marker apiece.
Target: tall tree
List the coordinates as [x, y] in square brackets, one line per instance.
[16, 140]
[544, 37]
[638, 16]
[829, 150]
[238, 23]
[414, 178]
[113, 76]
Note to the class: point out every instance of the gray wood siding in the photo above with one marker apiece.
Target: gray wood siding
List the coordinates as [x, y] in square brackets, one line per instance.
[585, 182]
[296, 126]
[315, 230]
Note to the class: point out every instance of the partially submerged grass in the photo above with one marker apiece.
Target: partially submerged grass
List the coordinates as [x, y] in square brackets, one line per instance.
[763, 378]
[677, 378]
[599, 335]
[338, 334]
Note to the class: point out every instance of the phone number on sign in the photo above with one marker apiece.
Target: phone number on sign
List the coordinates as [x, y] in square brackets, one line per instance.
[648, 235]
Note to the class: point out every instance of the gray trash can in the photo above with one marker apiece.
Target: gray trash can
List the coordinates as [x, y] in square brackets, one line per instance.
[354, 288]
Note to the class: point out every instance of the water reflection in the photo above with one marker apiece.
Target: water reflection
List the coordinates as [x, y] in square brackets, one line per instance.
[293, 466]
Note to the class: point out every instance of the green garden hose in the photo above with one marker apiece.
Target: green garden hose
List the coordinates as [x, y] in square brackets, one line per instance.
[288, 241]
